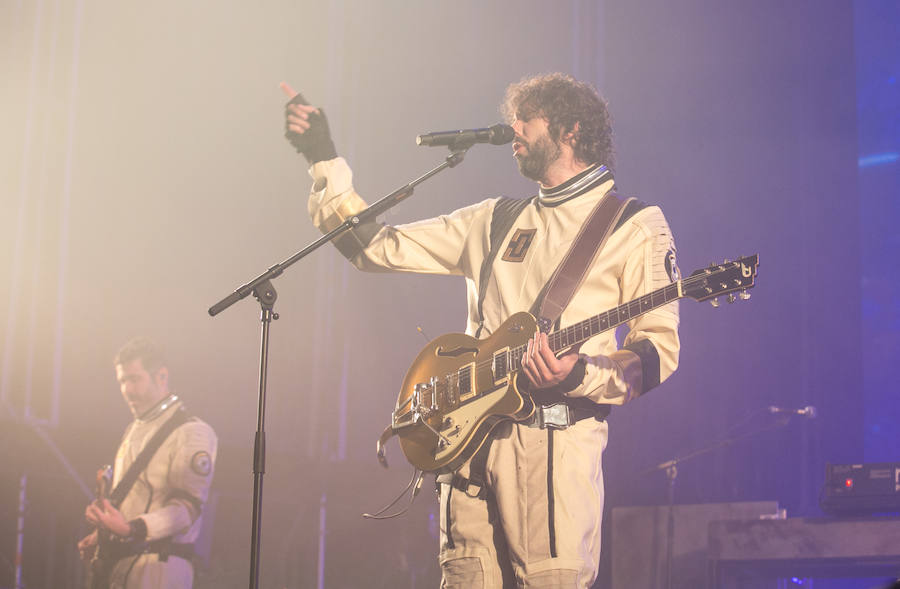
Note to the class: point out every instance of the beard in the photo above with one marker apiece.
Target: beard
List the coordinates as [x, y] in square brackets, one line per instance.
[538, 157]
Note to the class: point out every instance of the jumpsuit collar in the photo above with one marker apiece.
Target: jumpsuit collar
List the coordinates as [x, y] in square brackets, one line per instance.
[576, 185]
[159, 408]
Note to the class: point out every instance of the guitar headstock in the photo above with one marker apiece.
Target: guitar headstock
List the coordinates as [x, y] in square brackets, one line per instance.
[729, 277]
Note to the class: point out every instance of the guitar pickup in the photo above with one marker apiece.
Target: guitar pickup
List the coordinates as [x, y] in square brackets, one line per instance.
[466, 385]
[500, 366]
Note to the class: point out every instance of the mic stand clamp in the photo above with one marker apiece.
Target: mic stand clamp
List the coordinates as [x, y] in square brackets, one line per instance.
[262, 289]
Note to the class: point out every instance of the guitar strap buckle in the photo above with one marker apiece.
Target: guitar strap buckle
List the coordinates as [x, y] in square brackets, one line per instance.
[556, 416]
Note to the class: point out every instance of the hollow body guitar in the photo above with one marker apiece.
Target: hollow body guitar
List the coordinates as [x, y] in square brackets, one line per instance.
[459, 388]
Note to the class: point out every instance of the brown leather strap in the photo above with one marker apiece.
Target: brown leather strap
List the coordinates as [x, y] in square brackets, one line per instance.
[571, 272]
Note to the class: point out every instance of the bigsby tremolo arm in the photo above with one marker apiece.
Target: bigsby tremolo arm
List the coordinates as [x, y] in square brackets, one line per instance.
[418, 411]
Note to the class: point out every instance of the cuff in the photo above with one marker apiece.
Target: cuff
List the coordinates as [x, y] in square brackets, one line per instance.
[320, 151]
[138, 530]
[574, 380]
[649, 363]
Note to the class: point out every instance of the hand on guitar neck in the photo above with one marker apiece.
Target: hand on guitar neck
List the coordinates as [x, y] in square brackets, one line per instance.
[102, 515]
[107, 521]
[105, 518]
[541, 365]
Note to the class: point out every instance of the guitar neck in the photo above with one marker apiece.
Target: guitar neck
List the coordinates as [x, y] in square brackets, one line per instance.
[580, 332]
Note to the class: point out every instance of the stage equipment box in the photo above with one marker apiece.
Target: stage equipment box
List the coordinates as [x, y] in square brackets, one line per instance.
[639, 542]
[742, 552]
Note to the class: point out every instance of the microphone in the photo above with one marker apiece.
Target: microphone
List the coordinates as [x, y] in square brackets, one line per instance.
[498, 134]
[809, 411]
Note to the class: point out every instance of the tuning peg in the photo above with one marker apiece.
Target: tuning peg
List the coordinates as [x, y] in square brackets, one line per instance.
[745, 296]
[714, 302]
[731, 298]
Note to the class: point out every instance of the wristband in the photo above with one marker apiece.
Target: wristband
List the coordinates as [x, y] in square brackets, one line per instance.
[138, 531]
[575, 378]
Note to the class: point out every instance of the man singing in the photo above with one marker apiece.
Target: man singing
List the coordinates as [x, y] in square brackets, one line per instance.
[526, 509]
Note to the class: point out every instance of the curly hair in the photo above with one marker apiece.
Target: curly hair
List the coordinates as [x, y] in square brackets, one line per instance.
[564, 101]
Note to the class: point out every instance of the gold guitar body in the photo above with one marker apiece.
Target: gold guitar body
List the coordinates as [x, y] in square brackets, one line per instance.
[457, 389]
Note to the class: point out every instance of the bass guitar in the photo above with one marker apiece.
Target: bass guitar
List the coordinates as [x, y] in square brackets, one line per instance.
[101, 563]
[459, 388]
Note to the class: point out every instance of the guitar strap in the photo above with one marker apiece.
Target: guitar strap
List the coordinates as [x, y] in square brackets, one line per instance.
[140, 463]
[570, 273]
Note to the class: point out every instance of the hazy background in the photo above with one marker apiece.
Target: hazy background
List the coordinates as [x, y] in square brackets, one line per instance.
[144, 175]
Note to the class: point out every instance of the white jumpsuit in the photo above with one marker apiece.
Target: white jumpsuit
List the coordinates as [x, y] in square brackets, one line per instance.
[540, 523]
[169, 497]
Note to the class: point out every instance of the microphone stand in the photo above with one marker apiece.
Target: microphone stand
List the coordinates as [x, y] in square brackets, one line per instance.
[262, 289]
[671, 469]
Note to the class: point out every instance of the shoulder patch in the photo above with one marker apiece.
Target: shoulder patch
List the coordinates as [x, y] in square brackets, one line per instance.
[672, 266]
[201, 463]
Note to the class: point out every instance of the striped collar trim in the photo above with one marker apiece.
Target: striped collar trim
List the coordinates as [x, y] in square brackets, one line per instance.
[574, 186]
[159, 408]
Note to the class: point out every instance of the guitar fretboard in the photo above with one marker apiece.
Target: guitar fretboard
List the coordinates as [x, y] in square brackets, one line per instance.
[582, 331]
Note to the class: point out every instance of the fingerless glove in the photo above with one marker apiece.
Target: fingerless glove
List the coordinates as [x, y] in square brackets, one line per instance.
[315, 143]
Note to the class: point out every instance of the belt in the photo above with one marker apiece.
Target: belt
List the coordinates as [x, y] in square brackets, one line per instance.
[562, 415]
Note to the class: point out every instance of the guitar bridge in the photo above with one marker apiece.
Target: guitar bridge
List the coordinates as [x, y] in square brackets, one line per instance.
[402, 420]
